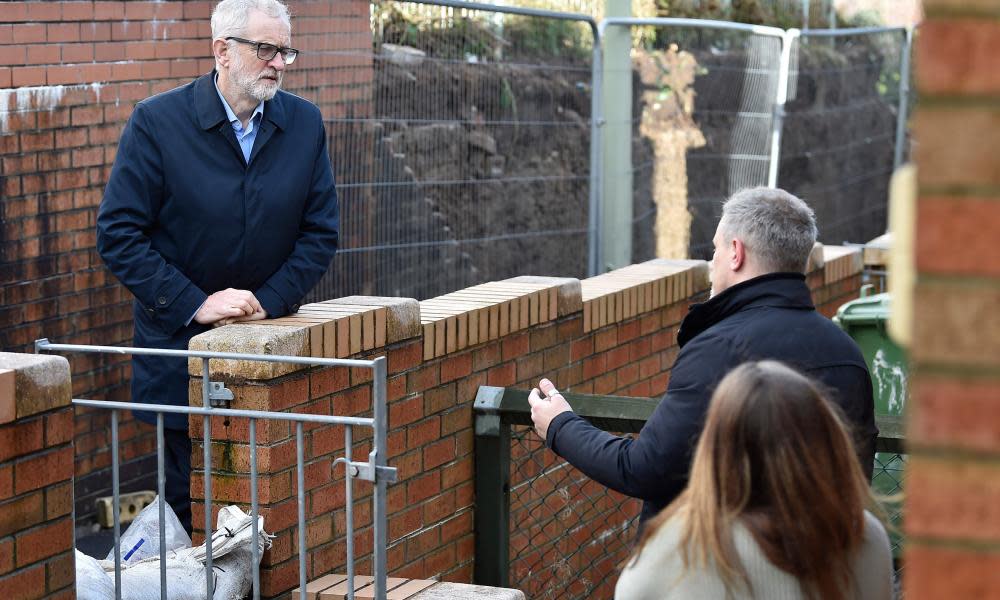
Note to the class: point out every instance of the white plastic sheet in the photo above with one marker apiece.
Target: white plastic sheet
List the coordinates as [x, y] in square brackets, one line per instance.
[232, 565]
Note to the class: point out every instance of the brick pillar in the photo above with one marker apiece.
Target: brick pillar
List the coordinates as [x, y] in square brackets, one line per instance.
[372, 327]
[36, 477]
[953, 479]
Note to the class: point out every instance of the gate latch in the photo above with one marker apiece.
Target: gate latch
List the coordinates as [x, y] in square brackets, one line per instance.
[219, 396]
[368, 471]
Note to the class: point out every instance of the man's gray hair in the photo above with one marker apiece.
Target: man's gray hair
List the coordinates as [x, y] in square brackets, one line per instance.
[229, 17]
[777, 229]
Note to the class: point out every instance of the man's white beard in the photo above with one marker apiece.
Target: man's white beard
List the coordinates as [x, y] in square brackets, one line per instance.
[259, 89]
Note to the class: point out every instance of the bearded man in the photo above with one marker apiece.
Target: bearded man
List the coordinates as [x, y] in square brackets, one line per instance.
[220, 207]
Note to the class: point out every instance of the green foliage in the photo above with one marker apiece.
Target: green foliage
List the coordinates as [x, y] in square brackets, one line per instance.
[486, 36]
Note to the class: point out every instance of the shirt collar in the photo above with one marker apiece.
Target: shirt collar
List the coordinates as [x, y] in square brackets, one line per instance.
[259, 111]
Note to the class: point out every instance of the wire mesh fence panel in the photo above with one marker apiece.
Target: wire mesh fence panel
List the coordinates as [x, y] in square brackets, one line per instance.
[887, 483]
[839, 134]
[780, 13]
[468, 159]
[702, 117]
[568, 534]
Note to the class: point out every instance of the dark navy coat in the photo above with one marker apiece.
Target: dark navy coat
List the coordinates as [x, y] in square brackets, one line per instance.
[184, 216]
[769, 317]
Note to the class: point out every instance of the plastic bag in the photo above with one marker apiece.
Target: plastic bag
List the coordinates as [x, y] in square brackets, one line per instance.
[142, 538]
[92, 582]
[232, 564]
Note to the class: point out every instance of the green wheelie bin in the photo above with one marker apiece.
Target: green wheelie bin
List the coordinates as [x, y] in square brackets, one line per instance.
[865, 320]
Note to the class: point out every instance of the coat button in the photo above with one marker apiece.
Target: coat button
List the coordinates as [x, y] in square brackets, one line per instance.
[162, 299]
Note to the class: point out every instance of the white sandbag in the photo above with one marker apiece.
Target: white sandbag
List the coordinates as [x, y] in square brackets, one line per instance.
[142, 538]
[232, 564]
[92, 583]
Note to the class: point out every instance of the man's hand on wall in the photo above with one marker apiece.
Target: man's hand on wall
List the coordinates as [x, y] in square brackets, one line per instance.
[229, 304]
[545, 405]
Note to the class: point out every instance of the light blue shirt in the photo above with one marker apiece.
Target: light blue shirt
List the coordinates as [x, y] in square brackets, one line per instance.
[246, 136]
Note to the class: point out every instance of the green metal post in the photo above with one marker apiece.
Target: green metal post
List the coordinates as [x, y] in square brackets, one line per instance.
[492, 515]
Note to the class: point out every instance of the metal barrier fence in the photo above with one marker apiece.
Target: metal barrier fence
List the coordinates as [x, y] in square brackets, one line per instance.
[374, 470]
[471, 162]
[723, 106]
[844, 126]
[460, 153]
[706, 97]
[544, 527]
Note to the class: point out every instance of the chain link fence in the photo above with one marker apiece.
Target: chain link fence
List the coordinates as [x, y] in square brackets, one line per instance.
[545, 528]
[568, 534]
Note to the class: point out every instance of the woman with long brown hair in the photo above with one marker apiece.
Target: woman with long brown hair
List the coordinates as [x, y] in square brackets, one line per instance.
[775, 507]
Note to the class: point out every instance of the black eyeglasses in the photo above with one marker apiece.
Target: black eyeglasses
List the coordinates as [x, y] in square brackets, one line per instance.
[267, 51]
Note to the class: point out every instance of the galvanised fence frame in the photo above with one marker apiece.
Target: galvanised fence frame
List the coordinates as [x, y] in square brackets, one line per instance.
[375, 469]
[784, 91]
[596, 203]
[498, 411]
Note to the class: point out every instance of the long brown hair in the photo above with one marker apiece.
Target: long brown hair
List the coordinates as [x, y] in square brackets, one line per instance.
[774, 456]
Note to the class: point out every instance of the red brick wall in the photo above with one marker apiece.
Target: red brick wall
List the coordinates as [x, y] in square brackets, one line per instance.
[614, 334]
[72, 73]
[36, 477]
[953, 477]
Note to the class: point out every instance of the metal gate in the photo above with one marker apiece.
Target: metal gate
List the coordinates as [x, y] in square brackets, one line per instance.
[374, 469]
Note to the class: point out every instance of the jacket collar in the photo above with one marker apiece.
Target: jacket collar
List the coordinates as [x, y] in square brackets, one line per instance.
[211, 112]
[783, 290]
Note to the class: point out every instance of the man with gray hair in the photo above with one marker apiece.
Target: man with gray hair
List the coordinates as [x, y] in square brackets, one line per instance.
[760, 308]
[220, 207]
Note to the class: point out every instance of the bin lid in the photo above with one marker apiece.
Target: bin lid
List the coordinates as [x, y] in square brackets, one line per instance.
[868, 310]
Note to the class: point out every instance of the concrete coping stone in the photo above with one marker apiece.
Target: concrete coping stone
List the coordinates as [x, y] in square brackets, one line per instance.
[31, 384]
[841, 262]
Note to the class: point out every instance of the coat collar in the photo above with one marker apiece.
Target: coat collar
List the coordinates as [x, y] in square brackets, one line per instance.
[211, 112]
[784, 290]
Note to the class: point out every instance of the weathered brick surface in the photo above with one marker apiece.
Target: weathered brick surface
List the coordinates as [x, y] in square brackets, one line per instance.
[974, 221]
[36, 478]
[951, 495]
[431, 423]
[78, 69]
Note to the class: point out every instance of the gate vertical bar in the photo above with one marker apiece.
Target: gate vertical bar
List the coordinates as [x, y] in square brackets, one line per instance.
[206, 439]
[381, 415]
[349, 509]
[254, 509]
[778, 118]
[161, 484]
[300, 474]
[116, 506]
[904, 100]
